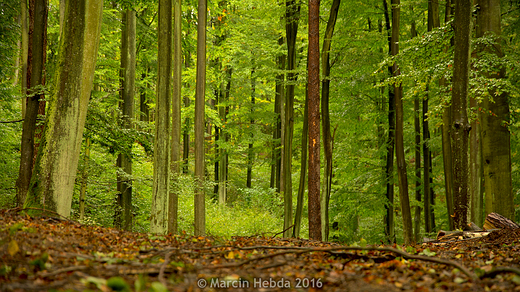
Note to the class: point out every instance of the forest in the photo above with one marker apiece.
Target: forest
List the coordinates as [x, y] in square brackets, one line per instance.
[347, 121]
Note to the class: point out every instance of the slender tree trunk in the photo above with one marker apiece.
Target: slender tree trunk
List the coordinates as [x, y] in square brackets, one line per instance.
[128, 62]
[399, 144]
[292, 17]
[200, 217]
[325, 115]
[417, 130]
[313, 68]
[53, 180]
[250, 154]
[496, 140]
[35, 80]
[176, 115]
[446, 139]
[84, 180]
[223, 165]
[24, 18]
[460, 124]
[278, 109]
[303, 170]
[389, 168]
[187, 126]
[161, 174]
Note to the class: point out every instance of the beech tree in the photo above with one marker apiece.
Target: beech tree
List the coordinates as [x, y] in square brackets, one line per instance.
[460, 124]
[34, 64]
[200, 98]
[161, 173]
[495, 117]
[52, 182]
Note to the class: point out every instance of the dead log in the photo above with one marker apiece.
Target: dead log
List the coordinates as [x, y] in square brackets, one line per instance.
[497, 221]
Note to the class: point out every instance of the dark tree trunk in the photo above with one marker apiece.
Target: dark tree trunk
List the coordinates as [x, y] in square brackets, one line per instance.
[460, 125]
[34, 102]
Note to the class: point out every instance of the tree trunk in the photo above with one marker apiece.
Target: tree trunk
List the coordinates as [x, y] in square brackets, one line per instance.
[278, 109]
[53, 180]
[161, 174]
[24, 18]
[127, 95]
[389, 167]
[313, 68]
[84, 180]
[35, 79]
[460, 125]
[200, 217]
[223, 165]
[417, 130]
[446, 139]
[292, 16]
[399, 144]
[325, 114]
[176, 115]
[475, 165]
[496, 141]
[303, 171]
[250, 154]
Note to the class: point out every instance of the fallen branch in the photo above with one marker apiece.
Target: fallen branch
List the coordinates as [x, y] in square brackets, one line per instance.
[333, 250]
[500, 270]
[282, 231]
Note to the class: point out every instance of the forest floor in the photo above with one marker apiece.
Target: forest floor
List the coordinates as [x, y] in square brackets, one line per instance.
[49, 254]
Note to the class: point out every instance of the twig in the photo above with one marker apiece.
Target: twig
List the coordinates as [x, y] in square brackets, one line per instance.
[63, 270]
[163, 267]
[499, 270]
[283, 231]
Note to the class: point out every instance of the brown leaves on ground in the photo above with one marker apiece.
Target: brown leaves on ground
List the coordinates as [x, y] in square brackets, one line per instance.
[42, 254]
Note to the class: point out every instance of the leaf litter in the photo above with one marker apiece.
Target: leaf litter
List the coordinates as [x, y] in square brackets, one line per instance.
[50, 254]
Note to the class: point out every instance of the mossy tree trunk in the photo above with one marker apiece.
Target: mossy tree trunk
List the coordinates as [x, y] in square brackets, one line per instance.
[52, 183]
[34, 81]
[496, 140]
[161, 163]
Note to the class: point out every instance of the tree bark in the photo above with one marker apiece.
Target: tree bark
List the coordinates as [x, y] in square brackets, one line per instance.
[278, 109]
[292, 16]
[460, 124]
[399, 144]
[496, 140]
[250, 153]
[53, 180]
[176, 115]
[446, 139]
[128, 62]
[325, 114]
[389, 167]
[313, 67]
[161, 174]
[34, 80]
[303, 170]
[84, 180]
[200, 217]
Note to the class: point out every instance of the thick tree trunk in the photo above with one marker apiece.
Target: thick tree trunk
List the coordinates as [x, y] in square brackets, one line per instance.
[496, 141]
[291, 17]
[53, 180]
[325, 114]
[475, 165]
[34, 78]
[460, 124]
[161, 174]
[200, 216]
[175, 167]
